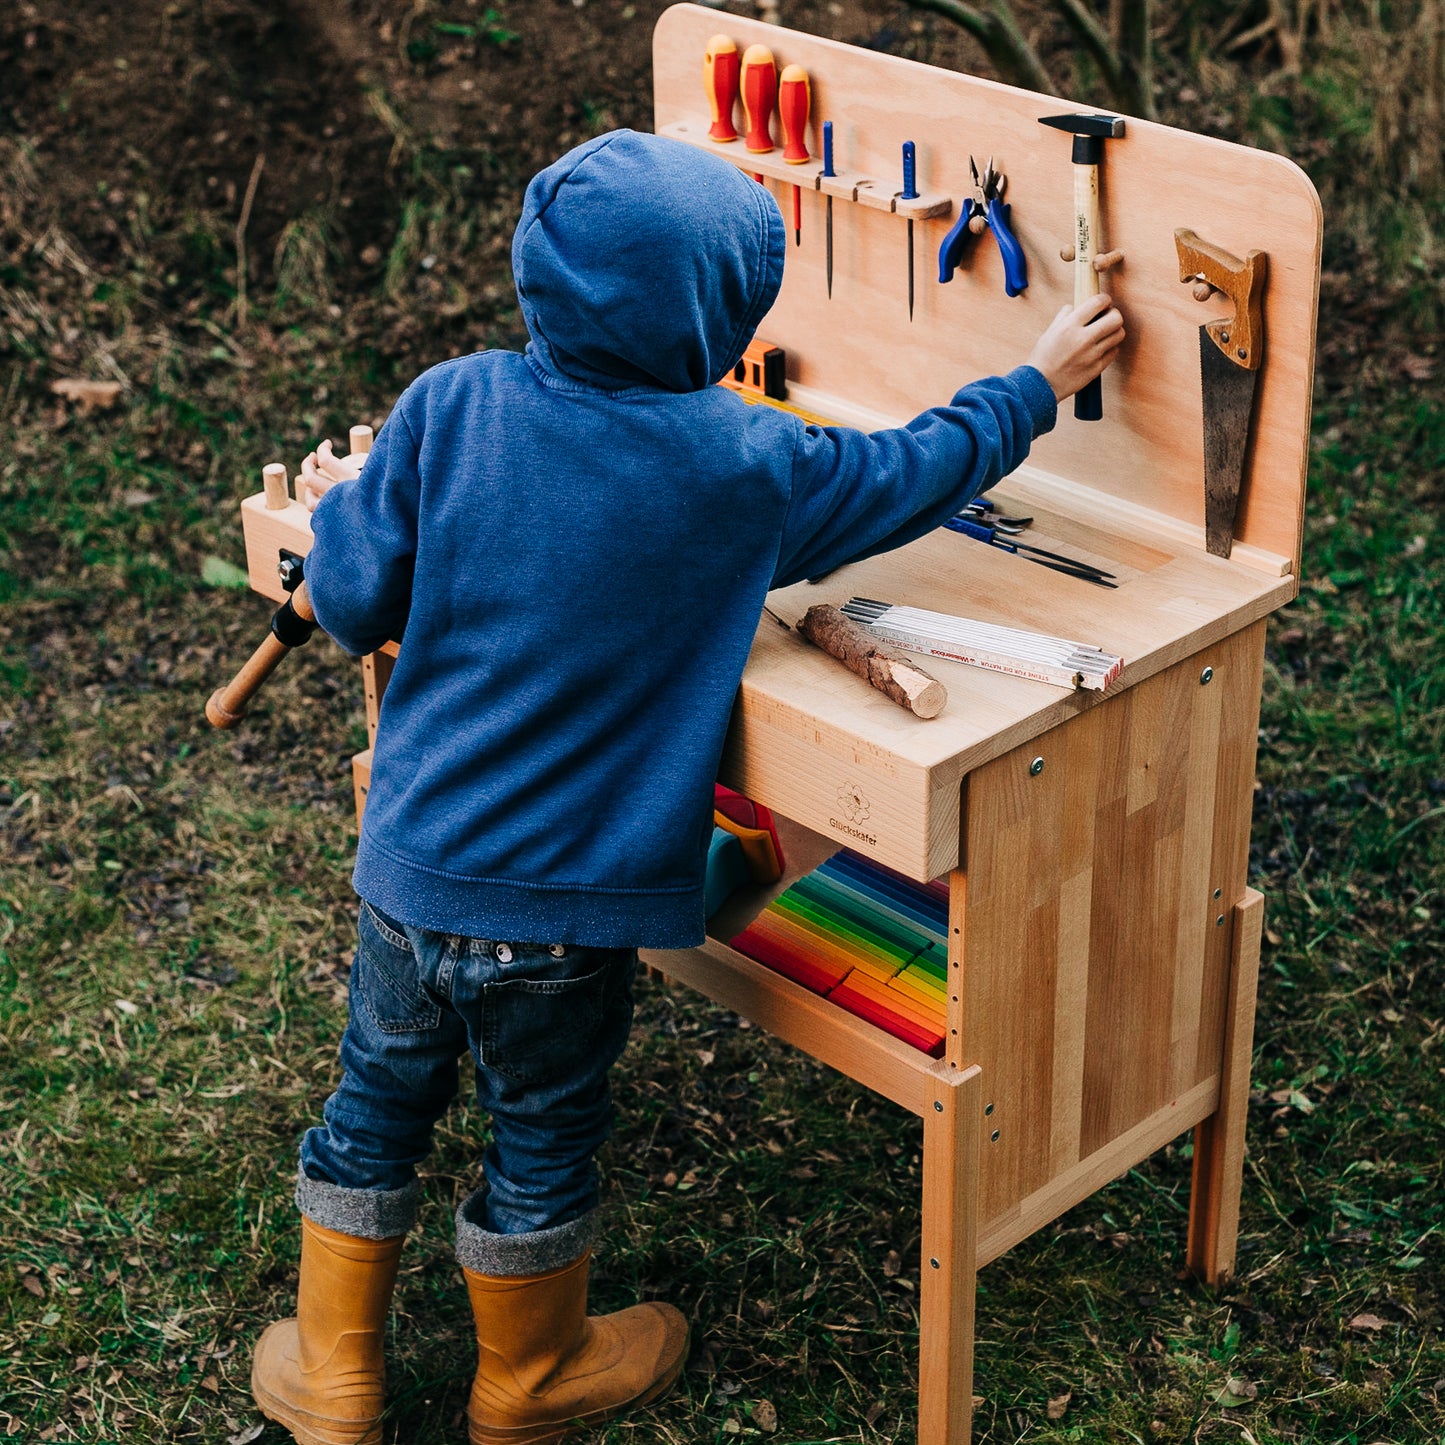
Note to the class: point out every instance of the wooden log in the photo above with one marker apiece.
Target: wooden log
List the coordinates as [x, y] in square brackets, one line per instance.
[893, 674]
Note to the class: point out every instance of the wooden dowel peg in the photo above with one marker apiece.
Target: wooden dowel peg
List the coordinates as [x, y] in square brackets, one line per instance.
[273, 481]
[888, 670]
[1105, 261]
[361, 439]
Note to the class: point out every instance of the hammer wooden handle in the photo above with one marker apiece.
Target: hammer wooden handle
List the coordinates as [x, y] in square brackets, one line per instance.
[228, 704]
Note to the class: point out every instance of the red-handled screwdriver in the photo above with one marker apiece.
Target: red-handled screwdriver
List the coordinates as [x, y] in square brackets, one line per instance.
[760, 94]
[720, 68]
[795, 99]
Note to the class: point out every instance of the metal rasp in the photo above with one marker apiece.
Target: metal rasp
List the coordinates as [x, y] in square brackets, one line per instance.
[1230, 353]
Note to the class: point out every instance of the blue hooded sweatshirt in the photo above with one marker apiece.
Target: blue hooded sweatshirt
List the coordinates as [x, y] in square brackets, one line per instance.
[573, 546]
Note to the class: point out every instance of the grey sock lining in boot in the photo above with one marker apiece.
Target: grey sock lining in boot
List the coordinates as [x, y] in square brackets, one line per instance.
[361, 1213]
[537, 1252]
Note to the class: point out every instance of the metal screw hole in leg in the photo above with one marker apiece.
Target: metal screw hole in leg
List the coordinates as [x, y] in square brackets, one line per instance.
[993, 1138]
[1219, 893]
[933, 1263]
[1036, 767]
[1206, 677]
[988, 1108]
[937, 1106]
[1219, 922]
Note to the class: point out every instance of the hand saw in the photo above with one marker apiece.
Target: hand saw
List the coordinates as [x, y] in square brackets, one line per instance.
[1230, 353]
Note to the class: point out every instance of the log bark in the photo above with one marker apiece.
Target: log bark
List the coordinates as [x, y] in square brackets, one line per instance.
[893, 674]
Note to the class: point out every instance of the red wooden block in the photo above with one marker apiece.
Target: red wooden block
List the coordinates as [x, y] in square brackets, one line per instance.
[791, 962]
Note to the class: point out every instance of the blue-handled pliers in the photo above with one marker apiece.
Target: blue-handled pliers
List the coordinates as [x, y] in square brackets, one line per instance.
[987, 209]
[966, 523]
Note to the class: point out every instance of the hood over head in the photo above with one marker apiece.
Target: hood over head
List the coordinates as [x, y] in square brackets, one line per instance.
[643, 261]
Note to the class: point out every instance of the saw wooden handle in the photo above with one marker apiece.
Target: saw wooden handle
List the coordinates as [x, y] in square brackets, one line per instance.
[889, 671]
[228, 704]
[1241, 336]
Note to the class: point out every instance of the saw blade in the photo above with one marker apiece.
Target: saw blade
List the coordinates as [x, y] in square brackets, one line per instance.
[1228, 401]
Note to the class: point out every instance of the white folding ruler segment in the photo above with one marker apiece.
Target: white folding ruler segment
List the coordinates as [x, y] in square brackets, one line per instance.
[1033, 655]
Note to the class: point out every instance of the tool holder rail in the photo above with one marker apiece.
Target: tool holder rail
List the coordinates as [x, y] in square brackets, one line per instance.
[869, 191]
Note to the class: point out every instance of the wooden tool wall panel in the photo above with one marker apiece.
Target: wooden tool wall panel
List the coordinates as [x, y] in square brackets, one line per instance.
[1095, 975]
[860, 346]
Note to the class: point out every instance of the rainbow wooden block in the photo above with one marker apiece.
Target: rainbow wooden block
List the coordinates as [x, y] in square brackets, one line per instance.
[866, 938]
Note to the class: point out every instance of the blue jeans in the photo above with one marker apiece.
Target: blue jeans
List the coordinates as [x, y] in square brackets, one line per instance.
[544, 1024]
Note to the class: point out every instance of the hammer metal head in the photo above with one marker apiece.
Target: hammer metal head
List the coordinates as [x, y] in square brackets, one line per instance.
[1090, 131]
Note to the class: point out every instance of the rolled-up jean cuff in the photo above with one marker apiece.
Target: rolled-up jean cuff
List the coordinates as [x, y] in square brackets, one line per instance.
[361, 1213]
[512, 1255]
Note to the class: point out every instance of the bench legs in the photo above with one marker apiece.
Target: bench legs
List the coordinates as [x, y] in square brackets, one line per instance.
[1219, 1139]
[952, 1119]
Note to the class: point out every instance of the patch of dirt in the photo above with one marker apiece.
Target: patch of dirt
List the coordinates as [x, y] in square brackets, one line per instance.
[143, 117]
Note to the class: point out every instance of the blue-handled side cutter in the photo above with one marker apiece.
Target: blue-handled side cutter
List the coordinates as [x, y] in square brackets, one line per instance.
[992, 211]
[1069, 566]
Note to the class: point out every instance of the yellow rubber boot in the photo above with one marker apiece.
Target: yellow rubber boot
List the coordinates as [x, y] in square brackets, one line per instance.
[321, 1374]
[547, 1368]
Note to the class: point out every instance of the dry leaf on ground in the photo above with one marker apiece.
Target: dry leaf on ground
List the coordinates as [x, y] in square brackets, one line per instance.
[87, 395]
[1236, 1392]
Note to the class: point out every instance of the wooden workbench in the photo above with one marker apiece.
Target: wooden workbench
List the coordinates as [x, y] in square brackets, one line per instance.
[1104, 942]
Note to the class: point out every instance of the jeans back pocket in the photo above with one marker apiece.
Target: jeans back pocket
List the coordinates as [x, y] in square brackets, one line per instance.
[388, 979]
[541, 1030]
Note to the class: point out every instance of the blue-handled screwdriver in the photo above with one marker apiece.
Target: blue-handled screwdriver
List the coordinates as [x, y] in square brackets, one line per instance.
[909, 193]
[829, 171]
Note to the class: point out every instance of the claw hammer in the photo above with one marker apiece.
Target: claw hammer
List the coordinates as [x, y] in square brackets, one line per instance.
[1089, 132]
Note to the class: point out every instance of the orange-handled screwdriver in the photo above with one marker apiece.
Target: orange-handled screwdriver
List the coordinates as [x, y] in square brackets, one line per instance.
[795, 99]
[720, 68]
[760, 93]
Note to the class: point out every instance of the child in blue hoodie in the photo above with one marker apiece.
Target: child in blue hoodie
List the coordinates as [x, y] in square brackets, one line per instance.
[574, 544]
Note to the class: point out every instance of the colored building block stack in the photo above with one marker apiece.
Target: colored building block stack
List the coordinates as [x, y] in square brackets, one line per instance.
[867, 939]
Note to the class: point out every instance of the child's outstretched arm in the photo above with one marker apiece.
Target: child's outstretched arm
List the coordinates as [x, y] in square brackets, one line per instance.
[359, 571]
[856, 494]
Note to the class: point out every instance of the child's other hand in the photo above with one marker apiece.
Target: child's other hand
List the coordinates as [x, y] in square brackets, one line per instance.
[321, 471]
[1079, 344]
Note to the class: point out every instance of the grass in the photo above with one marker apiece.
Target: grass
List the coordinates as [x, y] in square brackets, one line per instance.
[175, 926]
[176, 922]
